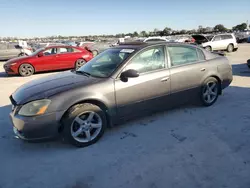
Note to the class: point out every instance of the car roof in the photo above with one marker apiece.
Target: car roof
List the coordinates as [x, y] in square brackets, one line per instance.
[61, 46]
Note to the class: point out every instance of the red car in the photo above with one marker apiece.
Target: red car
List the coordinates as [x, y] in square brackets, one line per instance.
[49, 58]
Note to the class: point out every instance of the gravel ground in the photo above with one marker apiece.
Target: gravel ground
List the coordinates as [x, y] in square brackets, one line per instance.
[186, 147]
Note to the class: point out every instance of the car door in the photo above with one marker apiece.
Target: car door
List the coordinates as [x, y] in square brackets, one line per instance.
[186, 72]
[12, 51]
[47, 61]
[217, 43]
[148, 91]
[67, 57]
[3, 51]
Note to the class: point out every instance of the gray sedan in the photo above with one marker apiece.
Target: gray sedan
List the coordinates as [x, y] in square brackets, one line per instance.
[120, 83]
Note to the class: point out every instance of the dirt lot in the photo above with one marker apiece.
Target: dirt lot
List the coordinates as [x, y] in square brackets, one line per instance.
[189, 147]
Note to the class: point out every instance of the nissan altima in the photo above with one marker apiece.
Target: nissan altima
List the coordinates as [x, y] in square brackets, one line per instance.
[122, 82]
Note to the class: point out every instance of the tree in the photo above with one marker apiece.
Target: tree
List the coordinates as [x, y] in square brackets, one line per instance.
[240, 27]
[220, 28]
[167, 31]
[143, 34]
[183, 31]
[135, 34]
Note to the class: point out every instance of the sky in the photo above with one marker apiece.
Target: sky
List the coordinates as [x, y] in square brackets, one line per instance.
[30, 18]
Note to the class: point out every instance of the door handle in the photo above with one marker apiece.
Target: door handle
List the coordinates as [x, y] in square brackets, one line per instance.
[203, 69]
[165, 79]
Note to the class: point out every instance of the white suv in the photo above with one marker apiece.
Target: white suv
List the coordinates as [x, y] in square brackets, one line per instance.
[217, 42]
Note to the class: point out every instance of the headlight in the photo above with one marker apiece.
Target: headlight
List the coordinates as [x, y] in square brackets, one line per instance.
[34, 108]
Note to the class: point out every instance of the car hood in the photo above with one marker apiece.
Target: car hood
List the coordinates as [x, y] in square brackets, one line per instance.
[51, 85]
[199, 39]
[14, 60]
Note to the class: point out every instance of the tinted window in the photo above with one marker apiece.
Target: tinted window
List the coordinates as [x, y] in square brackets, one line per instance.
[66, 50]
[201, 54]
[50, 51]
[216, 38]
[149, 60]
[180, 55]
[224, 37]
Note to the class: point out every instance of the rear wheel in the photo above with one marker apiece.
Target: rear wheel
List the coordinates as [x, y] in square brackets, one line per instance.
[79, 63]
[208, 48]
[209, 91]
[26, 70]
[84, 124]
[230, 48]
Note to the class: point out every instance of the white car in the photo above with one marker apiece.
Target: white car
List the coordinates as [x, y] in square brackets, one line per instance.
[217, 42]
[155, 39]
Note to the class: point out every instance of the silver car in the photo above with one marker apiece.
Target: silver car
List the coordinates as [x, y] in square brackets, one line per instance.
[120, 83]
[8, 51]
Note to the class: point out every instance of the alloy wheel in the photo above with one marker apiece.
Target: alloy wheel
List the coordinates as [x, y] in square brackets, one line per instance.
[86, 126]
[79, 63]
[26, 70]
[210, 92]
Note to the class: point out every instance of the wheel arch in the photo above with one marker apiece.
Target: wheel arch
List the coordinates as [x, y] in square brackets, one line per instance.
[96, 102]
[218, 79]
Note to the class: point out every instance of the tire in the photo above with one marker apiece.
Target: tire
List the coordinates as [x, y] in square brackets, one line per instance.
[213, 92]
[208, 48]
[95, 53]
[230, 48]
[79, 63]
[78, 124]
[26, 69]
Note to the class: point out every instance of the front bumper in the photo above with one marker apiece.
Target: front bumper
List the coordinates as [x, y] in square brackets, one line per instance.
[8, 69]
[34, 128]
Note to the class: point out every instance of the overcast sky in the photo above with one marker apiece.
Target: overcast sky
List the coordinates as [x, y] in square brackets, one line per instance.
[89, 17]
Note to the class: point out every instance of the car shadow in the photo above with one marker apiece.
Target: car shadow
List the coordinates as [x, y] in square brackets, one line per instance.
[132, 128]
[241, 70]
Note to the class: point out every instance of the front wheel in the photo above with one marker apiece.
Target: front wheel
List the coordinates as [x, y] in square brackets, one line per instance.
[209, 91]
[26, 70]
[84, 124]
[208, 48]
[79, 63]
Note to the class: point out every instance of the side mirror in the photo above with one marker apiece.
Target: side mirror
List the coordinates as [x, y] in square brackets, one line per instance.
[40, 54]
[131, 73]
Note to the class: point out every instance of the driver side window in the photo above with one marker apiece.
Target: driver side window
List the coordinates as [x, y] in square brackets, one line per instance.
[216, 38]
[50, 51]
[149, 60]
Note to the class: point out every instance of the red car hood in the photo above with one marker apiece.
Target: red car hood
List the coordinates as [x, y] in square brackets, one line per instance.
[14, 60]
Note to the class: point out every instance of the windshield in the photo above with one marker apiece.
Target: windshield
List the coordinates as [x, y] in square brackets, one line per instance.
[106, 63]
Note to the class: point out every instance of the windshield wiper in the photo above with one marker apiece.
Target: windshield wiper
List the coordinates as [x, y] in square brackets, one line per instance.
[82, 72]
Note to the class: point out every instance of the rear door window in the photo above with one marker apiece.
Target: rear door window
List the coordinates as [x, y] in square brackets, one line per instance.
[66, 50]
[181, 55]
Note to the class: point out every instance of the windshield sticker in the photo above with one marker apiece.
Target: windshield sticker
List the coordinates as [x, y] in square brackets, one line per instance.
[127, 50]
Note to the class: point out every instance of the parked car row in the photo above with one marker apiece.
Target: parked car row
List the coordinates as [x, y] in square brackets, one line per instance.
[124, 81]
